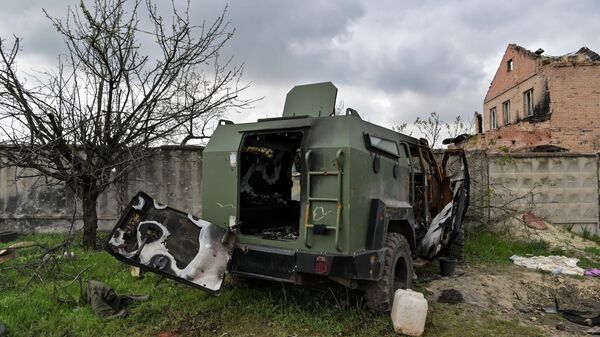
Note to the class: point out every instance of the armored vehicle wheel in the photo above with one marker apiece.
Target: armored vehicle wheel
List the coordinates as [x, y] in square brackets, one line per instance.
[456, 246]
[397, 274]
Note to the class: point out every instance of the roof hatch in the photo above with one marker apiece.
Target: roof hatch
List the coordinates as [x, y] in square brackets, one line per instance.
[315, 100]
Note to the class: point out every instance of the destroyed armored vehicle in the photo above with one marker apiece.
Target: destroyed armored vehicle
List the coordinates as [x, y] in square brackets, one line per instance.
[306, 197]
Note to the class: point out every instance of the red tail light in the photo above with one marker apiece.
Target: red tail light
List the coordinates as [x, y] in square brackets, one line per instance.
[321, 266]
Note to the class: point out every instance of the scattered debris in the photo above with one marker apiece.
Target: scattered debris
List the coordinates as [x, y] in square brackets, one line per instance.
[592, 272]
[534, 221]
[555, 236]
[594, 331]
[105, 302]
[7, 236]
[23, 244]
[578, 317]
[451, 296]
[581, 317]
[135, 271]
[7, 255]
[282, 233]
[521, 293]
[554, 264]
[551, 310]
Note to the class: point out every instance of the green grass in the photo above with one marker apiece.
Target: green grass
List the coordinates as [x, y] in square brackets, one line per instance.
[485, 247]
[594, 238]
[265, 309]
[592, 260]
[595, 251]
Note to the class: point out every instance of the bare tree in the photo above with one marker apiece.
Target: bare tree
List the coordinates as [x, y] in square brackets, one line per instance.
[457, 127]
[432, 128]
[112, 98]
[402, 128]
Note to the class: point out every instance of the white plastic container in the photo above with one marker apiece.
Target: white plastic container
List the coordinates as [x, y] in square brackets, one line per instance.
[409, 312]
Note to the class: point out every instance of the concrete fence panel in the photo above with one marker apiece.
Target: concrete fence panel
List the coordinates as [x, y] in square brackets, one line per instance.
[562, 188]
[30, 203]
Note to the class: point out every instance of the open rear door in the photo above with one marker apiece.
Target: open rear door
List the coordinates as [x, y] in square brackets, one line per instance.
[456, 172]
[455, 192]
[169, 242]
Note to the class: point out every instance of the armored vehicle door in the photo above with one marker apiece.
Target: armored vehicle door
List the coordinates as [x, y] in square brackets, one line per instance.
[172, 243]
[455, 193]
[456, 177]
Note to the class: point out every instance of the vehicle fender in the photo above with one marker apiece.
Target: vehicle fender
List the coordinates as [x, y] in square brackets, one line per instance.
[390, 216]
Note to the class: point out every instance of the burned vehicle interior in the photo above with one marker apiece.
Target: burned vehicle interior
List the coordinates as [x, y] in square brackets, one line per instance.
[269, 200]
[428, 193]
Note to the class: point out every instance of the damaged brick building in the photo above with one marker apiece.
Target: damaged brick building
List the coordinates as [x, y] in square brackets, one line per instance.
[542, 103]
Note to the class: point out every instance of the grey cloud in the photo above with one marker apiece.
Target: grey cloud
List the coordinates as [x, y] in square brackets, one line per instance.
[281, 40]
[26, 20]
[421, 55]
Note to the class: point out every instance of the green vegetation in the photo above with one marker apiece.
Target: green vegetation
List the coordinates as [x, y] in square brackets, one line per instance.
[594, 237]
[256, 309]
[592, 260]
[595, 251]
[485, 247]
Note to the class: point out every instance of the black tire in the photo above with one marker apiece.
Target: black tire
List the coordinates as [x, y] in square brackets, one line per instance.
[456, 246]
[397, 274]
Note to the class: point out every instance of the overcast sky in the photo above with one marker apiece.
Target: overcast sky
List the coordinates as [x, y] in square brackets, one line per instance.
[391, 60]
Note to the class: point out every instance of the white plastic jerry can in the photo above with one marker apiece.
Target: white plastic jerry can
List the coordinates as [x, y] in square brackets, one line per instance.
[409, 312]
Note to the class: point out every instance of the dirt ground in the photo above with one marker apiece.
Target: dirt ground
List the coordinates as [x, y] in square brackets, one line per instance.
[513, 292]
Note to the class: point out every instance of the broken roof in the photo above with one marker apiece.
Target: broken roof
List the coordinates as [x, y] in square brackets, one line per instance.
[591, 55]
[586, 52]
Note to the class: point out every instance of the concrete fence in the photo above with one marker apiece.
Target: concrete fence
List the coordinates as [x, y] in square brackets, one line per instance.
[37, 204]
[560, 187]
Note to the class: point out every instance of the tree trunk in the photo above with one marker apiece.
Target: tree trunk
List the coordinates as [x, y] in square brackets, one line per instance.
[90, 218]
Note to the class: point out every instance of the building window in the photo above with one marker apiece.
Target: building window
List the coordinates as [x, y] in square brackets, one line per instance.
[493, 120]
[510, 65]
[528, 102]
[506, 112]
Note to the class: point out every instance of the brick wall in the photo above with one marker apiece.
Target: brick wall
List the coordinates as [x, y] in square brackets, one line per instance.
[524, 66]
[575, 105]
[567, 89]
[514, 137]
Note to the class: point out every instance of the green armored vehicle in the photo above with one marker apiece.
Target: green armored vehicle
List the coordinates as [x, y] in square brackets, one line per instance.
[306, 197]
